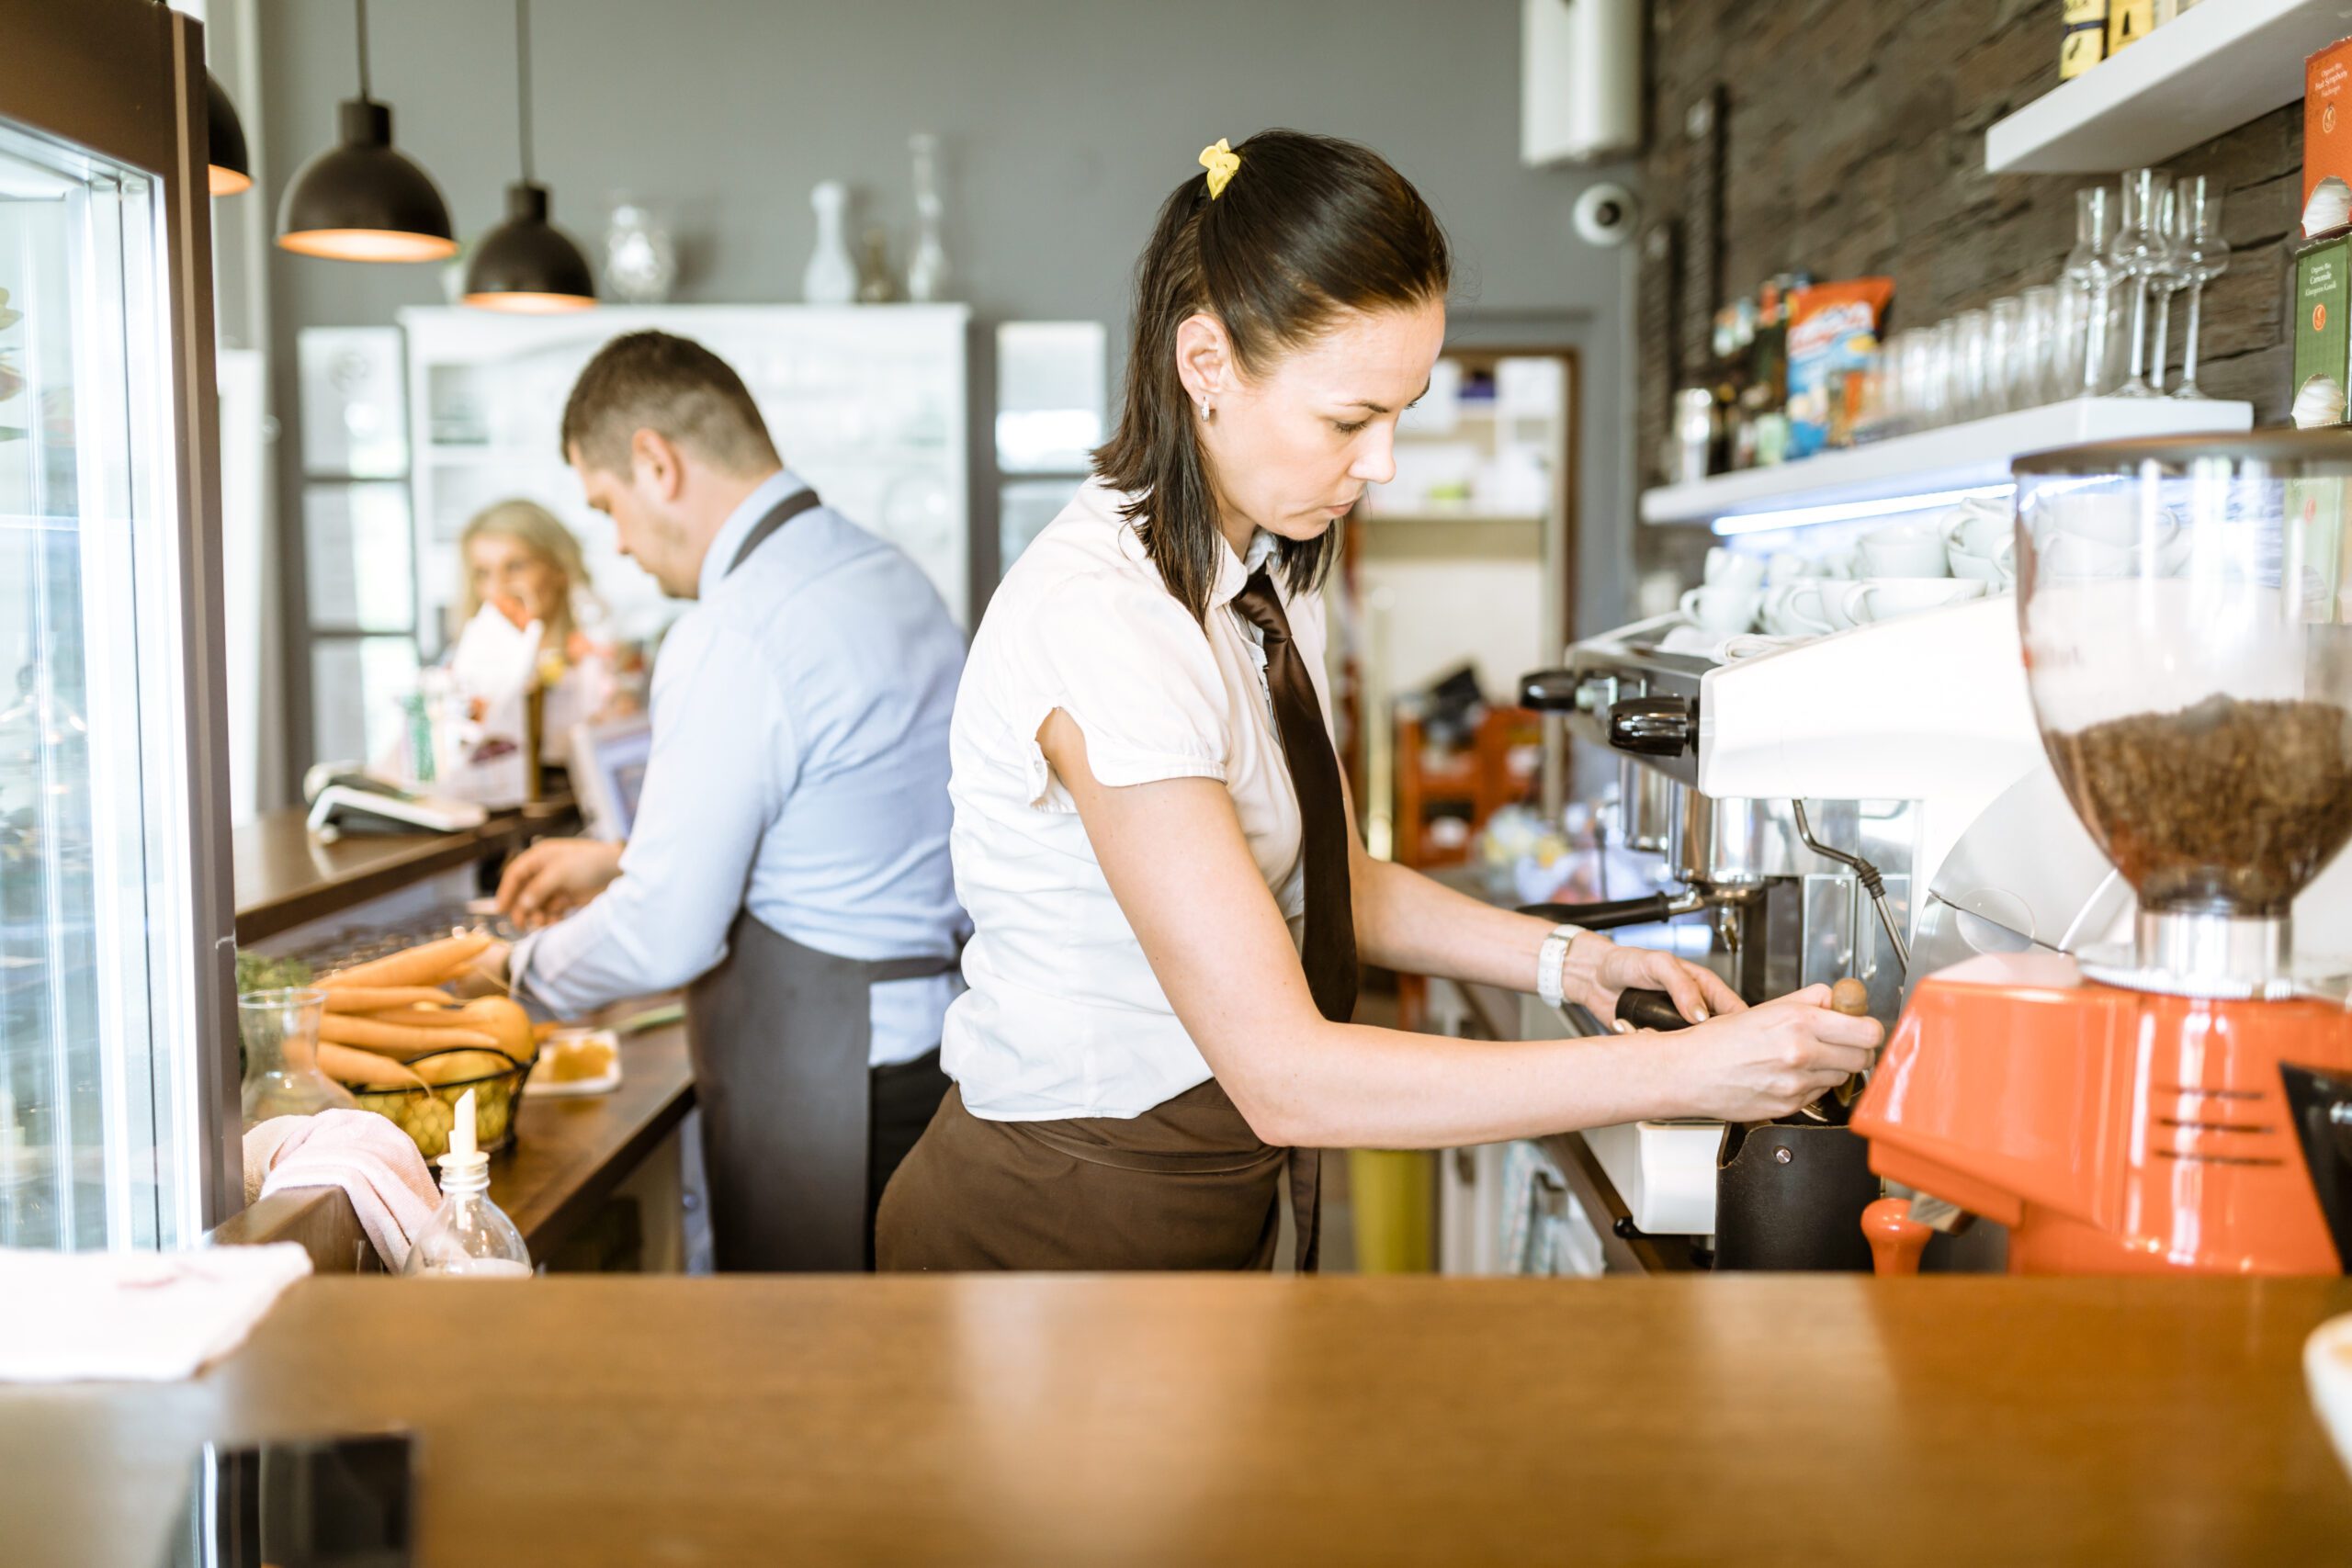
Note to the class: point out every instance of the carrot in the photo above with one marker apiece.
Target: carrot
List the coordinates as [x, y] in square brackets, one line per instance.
[444, 1016]
[366, 1068]
[396, 1039]
[420, 966]
[376, 998]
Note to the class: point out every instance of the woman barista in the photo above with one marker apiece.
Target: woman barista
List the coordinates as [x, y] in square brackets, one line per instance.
[518, 555]
[1151, 835]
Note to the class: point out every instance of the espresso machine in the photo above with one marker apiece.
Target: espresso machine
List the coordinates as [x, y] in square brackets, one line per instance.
[2179, 1099]
[1797, 798]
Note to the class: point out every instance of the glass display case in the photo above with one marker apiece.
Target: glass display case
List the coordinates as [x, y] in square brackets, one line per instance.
[116, 1045]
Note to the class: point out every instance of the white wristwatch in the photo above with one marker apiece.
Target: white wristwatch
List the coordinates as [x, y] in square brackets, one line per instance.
[1551, 962]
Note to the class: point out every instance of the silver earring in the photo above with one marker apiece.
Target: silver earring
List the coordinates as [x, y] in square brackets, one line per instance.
[1206, 413]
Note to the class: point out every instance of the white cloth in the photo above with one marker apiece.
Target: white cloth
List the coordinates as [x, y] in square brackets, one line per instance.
[798, 769]
[151, 1316]
[1065, 1017]
[366, 1154]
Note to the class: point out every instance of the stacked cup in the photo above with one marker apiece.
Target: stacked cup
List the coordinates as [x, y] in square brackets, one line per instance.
[1725, 603]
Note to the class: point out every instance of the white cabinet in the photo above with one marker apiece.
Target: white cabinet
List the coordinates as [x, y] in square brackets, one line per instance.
[868, 403]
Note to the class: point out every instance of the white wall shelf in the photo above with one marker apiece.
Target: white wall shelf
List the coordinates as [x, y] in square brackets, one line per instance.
[1957, 457]
[2212, 70]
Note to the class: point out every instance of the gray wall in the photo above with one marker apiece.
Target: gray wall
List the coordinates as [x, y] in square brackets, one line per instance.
[1064, 124]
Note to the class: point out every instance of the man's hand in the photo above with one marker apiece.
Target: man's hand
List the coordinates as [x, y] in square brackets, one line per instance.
[555, 876]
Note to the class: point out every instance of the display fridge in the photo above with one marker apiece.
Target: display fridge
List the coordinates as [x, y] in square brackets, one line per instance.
[118, 1121]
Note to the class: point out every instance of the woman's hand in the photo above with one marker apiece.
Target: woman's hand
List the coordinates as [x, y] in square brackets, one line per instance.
[1769, 1060]
[1598, 970]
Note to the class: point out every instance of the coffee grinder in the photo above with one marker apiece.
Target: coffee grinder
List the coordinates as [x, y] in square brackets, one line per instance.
[2182, 1102]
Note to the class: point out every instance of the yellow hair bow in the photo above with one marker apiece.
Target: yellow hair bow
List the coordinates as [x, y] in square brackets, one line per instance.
[1222, 162]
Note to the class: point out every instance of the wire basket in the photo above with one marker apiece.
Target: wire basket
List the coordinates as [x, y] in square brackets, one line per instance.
[427, 1114]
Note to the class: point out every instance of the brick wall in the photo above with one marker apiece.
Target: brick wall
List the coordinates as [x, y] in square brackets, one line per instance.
[1854, 143]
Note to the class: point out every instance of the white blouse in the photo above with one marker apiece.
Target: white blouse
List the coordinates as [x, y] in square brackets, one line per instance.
[1064, 1017]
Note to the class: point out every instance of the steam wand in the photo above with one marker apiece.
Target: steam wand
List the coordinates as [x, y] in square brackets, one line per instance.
[1867, 873]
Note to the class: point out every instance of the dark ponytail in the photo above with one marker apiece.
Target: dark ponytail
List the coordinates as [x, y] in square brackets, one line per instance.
[1308, 227]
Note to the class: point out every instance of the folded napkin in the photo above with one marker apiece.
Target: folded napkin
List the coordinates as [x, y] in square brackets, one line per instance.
[366, 1154]
[153, 1316]
[1724, 649]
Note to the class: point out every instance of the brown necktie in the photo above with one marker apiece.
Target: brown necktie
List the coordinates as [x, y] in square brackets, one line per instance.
[1329, 954]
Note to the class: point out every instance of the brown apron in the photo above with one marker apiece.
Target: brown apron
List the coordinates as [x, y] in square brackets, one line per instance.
[780, 1036]
[1185, 1186]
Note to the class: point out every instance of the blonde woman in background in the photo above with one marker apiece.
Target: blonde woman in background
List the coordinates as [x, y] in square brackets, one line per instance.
[517, 555]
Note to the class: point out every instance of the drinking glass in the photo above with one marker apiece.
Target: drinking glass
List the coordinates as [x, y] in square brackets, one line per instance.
[2005, 319]
[2036, 353]
[1972, 364]
[1943, 376]
[2136, 255]
[2089, 279]
[2204, 255]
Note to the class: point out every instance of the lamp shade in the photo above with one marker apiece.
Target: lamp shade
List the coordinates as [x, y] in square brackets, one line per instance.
[362, 200]
[527, 265]
[232, 169]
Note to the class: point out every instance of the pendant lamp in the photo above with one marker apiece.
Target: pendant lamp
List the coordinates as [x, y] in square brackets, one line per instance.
[362, 200]
[527, 265]
[232, 169]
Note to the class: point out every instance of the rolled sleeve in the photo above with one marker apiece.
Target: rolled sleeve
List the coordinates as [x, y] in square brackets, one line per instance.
[1136, 673]
[722, 760]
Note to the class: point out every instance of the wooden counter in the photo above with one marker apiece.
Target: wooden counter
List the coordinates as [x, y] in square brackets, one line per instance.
[284, 877]
[1190, 1420]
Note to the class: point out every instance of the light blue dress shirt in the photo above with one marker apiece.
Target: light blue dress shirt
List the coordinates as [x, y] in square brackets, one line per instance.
[800, 768]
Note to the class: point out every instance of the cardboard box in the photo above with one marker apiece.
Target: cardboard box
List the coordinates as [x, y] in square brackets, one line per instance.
[2327, 135]
[2322, 298]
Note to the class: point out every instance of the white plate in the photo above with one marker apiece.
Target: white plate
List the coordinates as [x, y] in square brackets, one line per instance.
[540, 1086]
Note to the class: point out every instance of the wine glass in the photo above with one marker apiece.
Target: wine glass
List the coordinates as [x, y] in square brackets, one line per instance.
[2204, 255]
[2170, 279]
[2136, 255]
[2088, 281]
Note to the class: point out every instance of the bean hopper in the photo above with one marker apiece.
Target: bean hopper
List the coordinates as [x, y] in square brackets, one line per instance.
[2182, 1101]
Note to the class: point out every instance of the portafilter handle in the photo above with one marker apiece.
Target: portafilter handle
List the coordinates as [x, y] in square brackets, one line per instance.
[1644, 1008]
[1616, 912]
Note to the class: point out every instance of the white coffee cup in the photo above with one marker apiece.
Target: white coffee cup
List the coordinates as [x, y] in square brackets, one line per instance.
[1891, 598]
[1728, 568]
[1797, 608]
[1716, 607]
[1785, 566]
[1998, 571]
[2328, 1368]
[2101, 534]
[1902, 549]
[1979, 526]
[1836, 564]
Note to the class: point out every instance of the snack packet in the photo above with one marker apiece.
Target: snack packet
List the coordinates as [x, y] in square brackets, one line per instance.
[1833, 332]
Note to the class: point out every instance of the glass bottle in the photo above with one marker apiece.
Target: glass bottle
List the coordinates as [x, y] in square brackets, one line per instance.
[2169, 279]
[469, 1237]
[873, 285]
[927, 269]
[2089, 282]
[2135, 256]
[831, 277]
[279, 1029]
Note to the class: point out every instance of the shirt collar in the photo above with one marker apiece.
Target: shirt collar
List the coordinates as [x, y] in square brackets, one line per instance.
[1233, 576]
[772, 492]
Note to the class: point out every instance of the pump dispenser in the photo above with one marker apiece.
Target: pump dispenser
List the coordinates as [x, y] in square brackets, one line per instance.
[468, 1234]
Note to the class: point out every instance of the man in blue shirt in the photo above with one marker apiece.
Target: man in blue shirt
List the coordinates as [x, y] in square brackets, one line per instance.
[788, 860]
